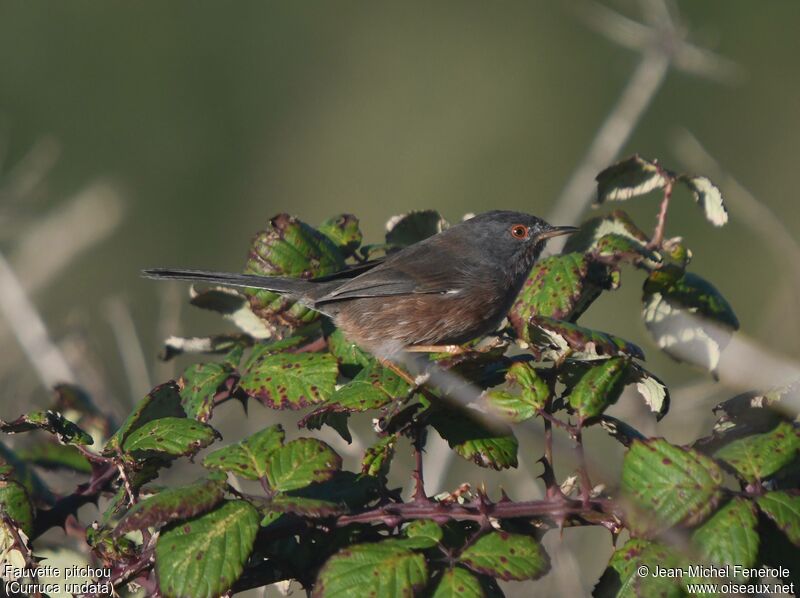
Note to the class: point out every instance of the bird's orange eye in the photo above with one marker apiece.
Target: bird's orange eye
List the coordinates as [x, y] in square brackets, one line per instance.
[519, 231]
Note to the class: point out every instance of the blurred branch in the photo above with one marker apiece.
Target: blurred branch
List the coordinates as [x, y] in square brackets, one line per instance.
[129, 346]
[30, 331]
[662, 44]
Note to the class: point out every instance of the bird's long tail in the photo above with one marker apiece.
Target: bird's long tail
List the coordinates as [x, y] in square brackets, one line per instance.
[290, 286]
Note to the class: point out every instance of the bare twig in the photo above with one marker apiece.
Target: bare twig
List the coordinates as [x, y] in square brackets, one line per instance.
[130, 348]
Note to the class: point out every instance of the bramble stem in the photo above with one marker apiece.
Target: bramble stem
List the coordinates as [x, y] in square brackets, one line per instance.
[658, 233]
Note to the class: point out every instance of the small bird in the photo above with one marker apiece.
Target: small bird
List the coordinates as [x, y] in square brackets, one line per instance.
[445, 290]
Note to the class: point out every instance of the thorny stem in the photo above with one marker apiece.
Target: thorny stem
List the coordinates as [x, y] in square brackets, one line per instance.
[128, 488]
[549, 417]
[419, 483]
[658, 233]
[586, 485]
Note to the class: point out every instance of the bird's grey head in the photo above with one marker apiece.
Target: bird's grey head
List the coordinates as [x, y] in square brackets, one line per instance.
[515, 239]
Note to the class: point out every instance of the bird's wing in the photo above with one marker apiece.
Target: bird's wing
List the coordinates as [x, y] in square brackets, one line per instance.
[413, 272]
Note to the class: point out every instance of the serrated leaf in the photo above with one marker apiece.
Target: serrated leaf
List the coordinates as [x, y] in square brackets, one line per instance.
[307, 507]
[51, 455]
[729, 536]
[557, 340]
[560, 287]
[378, 457]
[176, 436]
[592, 230]
[301, 462]
[652, 390]
[350, 356]
[49, 421]
[784, 509]
[248, 458]
[622, 579]
[291, 248]
[343, 230]
[293, 381]
[667, 485]
[621, 431]
[183, 502]
[458, 583]
[202, 385]
[380, 569]
[673, 300]
[761, 455]
[628, 178]
[415, 226]
[234, 306]
[422, 534]
[14, 468]
[709, 197]
[217, 344]
[533, 395]
[507, 556]
[599, 387]
[475, 442]
[14, 503]
[627, 249]
[203, 557]
[163, 401]
[344, 487]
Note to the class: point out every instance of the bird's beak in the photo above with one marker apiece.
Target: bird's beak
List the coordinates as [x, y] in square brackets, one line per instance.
[557, 231]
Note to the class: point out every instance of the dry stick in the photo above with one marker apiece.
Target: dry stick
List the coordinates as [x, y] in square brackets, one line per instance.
[129, 348]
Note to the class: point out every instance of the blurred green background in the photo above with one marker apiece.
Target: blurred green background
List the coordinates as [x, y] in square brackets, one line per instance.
[197, 122]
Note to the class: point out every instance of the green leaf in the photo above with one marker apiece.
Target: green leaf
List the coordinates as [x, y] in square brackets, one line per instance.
[350, 356]
[729, 536]
[378, 457]
[560, 287]
[622, 578]
[291, 248]
[202, 384]
[292, 381]
[627, 249]
[174, 436]
[301, 462]
[557, 340]
[628, 178]
[673, 300]
[14, 468]
[458, 583]
[507, 556]
[599, 387]
[163, 401]
[533, 395]
[343, 231]
[474, 441]
[234, 306]
[14, 503]
[248, 458]
[380, 569]
[784, 509]
[51, 455]
[183, 502]
[306, 507]
[203, 557]
[761, 455]
[410, 228]
[49, 421]
[667, 485]
[709, 197]
[422, 534]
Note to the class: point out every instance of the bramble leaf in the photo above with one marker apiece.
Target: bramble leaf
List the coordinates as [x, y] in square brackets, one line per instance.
[307, 507]
[49, 421]
[709, 197]
[183, 502]
[784, 509]
[557, 340]
[380, 569]
[219, 541]
[290, 248]
[301, 462]
[248, 458]
[233, 305]
[422, 534]
[412, 227]
[378, 457]
[534, 392]
[599, 387]
[507, 556]
[668, 485]
[458, 583]
[651, 389]
[176, 436]
[623, 578]
[628, 178]
[475, 442]
[290, 380]
[759, 456]
[51, 455]
[343, 231]
[202, 384]
[729, 536]
[14, 503]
